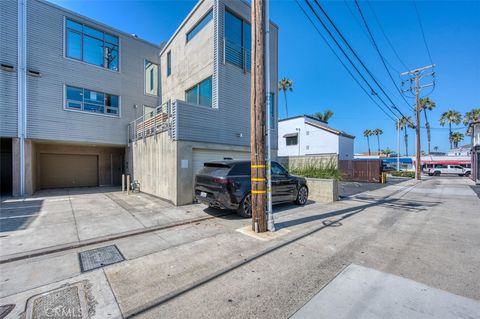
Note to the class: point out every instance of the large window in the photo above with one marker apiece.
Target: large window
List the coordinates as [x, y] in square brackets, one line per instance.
[151, 78]
[238, 38]
[169, 63]
[201, 93]
[91, 45]
[199, 26]
[80, 99]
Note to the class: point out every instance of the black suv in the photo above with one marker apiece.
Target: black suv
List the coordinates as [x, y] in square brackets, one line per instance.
[226, 184]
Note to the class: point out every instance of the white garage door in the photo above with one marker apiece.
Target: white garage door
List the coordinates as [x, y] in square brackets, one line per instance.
[201, 156]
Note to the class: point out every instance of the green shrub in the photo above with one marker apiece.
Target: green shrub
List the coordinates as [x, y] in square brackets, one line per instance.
[327, 170]
[403, 174]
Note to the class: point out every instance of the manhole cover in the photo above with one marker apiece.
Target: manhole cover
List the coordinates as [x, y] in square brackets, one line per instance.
[99, 257]
[67, 302]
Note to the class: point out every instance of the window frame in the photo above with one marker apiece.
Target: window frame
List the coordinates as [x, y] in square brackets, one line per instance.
[169, 63]
[291, 137]
[82, 34]
[145, 78]
[200, 21]
[244, 65]
[82, 103]
[197, 86]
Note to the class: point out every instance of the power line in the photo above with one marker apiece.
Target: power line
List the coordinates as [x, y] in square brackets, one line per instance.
[354, 53]
[357, 21]
[348, 58]
[380, 54]
[423, 33]
[344, 65]
[386, 37]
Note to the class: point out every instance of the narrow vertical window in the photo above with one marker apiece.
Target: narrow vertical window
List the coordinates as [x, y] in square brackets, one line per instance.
[151, 78]
[169, 63]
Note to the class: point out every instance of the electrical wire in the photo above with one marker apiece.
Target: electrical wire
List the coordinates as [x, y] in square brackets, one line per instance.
[344, 65]
[386, 37]
[421, 29]
[380, 54]
[353, 51]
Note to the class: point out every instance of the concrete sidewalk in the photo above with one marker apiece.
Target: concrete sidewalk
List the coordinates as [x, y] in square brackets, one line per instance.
[59, 218]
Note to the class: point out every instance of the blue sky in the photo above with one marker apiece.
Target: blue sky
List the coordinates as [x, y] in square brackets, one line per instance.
[452, 30]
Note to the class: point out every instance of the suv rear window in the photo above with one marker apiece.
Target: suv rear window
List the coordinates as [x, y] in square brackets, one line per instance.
[240, 169]
[214, 169]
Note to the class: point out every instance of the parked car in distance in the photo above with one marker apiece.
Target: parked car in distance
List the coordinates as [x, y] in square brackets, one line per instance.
[449, 169]
[226, 185]
[388, 168]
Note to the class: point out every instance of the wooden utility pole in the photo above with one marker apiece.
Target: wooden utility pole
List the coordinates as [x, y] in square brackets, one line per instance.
[415, 76]
[257, 118]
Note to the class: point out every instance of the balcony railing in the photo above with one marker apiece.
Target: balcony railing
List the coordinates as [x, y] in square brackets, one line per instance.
[236, 55]
[152, 123]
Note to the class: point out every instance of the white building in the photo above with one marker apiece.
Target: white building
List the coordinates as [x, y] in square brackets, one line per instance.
[305, 135]
[464, 150]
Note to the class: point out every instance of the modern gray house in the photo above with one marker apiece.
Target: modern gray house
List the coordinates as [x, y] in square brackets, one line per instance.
[81, 102]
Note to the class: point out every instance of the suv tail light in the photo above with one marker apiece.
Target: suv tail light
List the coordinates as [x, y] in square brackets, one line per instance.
[223, 181]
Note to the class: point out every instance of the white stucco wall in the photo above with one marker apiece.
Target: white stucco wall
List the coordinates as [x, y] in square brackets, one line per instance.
[312, 140]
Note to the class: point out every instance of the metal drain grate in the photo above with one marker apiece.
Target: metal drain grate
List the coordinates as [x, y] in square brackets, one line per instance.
[99, 257]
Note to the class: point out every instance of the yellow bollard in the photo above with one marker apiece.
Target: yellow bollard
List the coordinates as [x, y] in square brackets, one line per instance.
[384, 178]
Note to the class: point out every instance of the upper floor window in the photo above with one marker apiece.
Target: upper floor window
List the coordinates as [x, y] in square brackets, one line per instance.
[238, 41]
[169, 63]
[151, 78]
[91, 45]
[200, 93]
[81, 99]
[199, 26]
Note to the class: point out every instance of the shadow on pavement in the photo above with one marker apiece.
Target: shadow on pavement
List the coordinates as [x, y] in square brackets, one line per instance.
[397, 204]
[346, 189]
[18, 215]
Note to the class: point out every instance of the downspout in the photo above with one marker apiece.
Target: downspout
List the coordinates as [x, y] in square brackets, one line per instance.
[22, 86]
[270, 221]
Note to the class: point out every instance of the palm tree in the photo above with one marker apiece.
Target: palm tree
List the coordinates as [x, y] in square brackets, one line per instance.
[435, 148]
[387, 152]
[367, 134]
[324, 117]
[427, 105]
[405, 123]
[456, 138]
[377, 132]
[471, 116]
[450, 116]
[285, 85]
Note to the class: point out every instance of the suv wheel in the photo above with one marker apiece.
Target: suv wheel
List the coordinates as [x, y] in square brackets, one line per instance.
[245, 208]
[302, 196]
[436, 173]
[467, 174]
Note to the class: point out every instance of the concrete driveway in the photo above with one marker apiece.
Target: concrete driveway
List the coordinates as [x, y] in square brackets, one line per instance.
[62, 217]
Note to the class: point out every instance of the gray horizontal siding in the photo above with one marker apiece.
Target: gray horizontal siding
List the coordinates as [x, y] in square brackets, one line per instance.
[47, 119]
[8, 80]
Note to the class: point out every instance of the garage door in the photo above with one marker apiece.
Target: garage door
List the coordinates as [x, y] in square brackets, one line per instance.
[68, 170]
[201, 156]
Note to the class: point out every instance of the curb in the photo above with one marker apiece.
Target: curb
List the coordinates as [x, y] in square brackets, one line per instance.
[58, 248]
